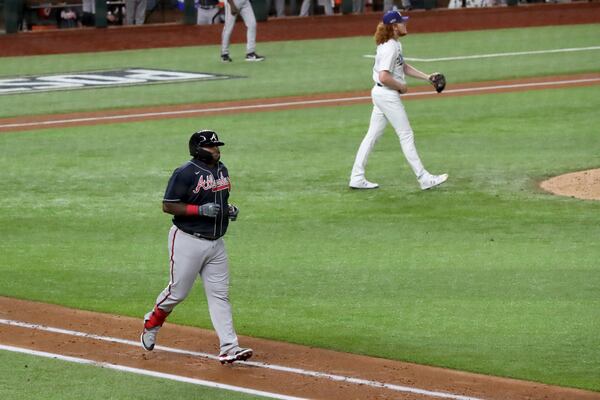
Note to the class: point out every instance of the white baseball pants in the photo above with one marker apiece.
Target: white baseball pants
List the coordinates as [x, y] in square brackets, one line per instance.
[191, 257]
[387, 106]
[247, 14]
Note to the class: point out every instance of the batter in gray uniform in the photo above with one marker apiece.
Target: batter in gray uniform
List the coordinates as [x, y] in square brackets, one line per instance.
[197, 196]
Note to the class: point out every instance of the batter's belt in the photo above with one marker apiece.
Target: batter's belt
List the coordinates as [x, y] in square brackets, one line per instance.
[198, 235]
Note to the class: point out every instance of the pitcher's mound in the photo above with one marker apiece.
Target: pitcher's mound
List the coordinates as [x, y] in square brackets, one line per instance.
[582, 185]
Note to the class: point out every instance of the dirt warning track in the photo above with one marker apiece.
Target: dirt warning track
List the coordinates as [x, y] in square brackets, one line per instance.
[286, 369]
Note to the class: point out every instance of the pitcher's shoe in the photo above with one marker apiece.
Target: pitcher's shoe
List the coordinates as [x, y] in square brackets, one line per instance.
[427, 181]
[225, 58]
[363, 184]
[148, 336]
[254, 57]
[236, 354]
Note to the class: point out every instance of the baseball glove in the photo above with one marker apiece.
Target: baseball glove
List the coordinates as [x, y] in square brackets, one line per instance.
[438, 81]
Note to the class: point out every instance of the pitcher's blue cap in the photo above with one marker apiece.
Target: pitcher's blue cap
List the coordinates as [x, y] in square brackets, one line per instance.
[393, 17]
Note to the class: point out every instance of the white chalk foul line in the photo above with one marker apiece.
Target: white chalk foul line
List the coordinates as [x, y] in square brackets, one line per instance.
[299, 371]
[154, 374]
[182, 112]
[516, 86]
[276, 105]
[493, 55]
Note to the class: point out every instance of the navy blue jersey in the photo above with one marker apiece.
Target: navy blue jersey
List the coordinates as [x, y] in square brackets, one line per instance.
[197, 183]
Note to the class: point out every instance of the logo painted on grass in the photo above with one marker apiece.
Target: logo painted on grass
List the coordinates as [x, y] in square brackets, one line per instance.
[96, 79]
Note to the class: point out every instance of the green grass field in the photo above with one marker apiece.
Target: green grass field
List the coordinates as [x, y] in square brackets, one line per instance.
[45, 379]
[297, 67]
[487, 274]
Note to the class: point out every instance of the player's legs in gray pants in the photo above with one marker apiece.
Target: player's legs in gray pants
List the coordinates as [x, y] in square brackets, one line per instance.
[388, 5]
[247, 14]
[279, 7]
[135, 11]
[190, 257]
[305, 8]
[358, 6]
[207, 16]
[215, 275]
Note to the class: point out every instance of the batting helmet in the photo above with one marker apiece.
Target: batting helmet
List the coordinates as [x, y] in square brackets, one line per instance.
[203, 138]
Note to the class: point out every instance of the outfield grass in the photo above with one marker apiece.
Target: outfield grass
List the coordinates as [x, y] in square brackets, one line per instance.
[51, 379]
[487, 274]
[296, 68]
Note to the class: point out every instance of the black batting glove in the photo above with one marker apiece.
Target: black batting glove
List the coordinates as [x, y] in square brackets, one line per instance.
[233, 212]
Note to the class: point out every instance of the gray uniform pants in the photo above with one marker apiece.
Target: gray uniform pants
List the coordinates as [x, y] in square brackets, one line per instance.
[389, 5]
[135, 11]
[305, 8]
[247, 14]
[279, 7]
[207, 16]
[191, 257]
[358, 6]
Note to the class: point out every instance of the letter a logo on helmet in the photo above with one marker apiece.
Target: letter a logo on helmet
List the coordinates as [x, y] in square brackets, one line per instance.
[203, 138]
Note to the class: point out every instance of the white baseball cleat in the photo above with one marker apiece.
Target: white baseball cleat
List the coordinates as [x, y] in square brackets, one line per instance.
[236, 354]
[363, 184]
[428, 181]
[148, 336]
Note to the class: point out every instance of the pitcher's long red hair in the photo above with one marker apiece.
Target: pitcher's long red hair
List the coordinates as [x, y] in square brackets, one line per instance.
[383, 33]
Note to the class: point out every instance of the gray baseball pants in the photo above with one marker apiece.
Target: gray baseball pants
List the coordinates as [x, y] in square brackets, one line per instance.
[135, 12]
[247, 14]
[305, 8]
[191, 257]
[207, 16]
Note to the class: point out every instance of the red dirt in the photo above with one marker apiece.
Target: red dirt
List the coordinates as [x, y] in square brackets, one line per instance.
[583, 185]
[283, 354]
[292, 28]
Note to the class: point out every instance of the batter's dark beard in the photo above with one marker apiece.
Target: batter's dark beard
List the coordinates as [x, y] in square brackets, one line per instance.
[205, 157]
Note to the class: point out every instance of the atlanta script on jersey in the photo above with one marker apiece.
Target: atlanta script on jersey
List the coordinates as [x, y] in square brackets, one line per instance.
[197, 183]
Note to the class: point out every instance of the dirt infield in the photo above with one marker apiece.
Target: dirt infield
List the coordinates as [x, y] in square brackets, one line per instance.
[581, 185]
[292, 28]
[258, 374]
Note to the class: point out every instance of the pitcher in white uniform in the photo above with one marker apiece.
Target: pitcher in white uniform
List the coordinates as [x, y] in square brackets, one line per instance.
[389, 75]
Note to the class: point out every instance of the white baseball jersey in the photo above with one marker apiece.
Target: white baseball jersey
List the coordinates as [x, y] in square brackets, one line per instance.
[389, 58]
